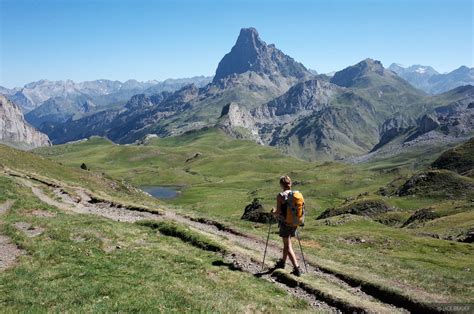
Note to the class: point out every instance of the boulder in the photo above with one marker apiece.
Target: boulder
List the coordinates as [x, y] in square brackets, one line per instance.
[255, 212]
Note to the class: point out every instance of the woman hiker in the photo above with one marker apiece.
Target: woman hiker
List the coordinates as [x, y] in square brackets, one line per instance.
[286, 232]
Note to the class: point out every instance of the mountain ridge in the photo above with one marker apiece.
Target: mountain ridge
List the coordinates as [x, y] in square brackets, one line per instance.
[429, 80]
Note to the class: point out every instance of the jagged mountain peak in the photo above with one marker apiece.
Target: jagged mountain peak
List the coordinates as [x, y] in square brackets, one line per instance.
[251, 53]
[249, 37]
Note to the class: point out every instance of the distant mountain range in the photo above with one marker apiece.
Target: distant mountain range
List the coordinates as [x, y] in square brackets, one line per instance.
[429, 80]
[260, 93]
[59, 101]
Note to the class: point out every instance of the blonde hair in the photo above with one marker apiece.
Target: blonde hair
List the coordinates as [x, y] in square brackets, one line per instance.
[285, 181]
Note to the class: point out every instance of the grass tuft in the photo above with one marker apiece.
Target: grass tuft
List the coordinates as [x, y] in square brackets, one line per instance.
[185, 234]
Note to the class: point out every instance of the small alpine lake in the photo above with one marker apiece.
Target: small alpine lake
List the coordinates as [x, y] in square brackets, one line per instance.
[162, 192]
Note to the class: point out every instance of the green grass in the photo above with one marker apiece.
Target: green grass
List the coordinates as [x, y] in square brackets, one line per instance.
[83, 263]
[230, 173]
[442, 268]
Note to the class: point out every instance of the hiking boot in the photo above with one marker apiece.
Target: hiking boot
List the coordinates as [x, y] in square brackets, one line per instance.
[280, 264]
[296, 271]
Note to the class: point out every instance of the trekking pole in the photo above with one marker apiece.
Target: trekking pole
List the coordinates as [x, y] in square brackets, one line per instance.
[301, 248]
[266, 245]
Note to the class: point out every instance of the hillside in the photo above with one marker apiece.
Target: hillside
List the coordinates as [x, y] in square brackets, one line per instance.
[459, 159]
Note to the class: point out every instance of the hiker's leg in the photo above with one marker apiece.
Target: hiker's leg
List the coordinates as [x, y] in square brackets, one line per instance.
[285, 248]
[291, 254]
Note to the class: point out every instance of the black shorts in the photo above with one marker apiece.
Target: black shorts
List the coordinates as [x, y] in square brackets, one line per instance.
[287, 231]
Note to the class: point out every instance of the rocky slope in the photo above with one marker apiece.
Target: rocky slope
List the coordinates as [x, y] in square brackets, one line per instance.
[448, 119]
[312, 120]
[15, 131]
[364, 108]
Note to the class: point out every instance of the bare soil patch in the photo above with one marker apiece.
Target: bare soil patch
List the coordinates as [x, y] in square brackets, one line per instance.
[8, 252]
[28, 229]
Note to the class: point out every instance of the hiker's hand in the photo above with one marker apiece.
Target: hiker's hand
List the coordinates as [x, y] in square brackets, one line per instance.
[273, 211]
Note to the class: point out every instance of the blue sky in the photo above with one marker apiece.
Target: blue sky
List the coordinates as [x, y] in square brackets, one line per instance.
[144, 40]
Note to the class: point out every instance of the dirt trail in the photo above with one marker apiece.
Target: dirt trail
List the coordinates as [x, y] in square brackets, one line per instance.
[8, 250]
[246, 255]
[84, 205]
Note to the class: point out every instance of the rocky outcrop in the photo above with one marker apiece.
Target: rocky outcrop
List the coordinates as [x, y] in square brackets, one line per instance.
[15, 131]
[454, 120]
[239, 123]
[255, 212]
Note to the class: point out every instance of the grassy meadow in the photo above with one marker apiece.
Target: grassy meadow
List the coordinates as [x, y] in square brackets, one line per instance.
[218, 176]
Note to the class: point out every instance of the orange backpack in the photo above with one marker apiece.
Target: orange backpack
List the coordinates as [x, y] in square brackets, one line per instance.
[295, 209]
